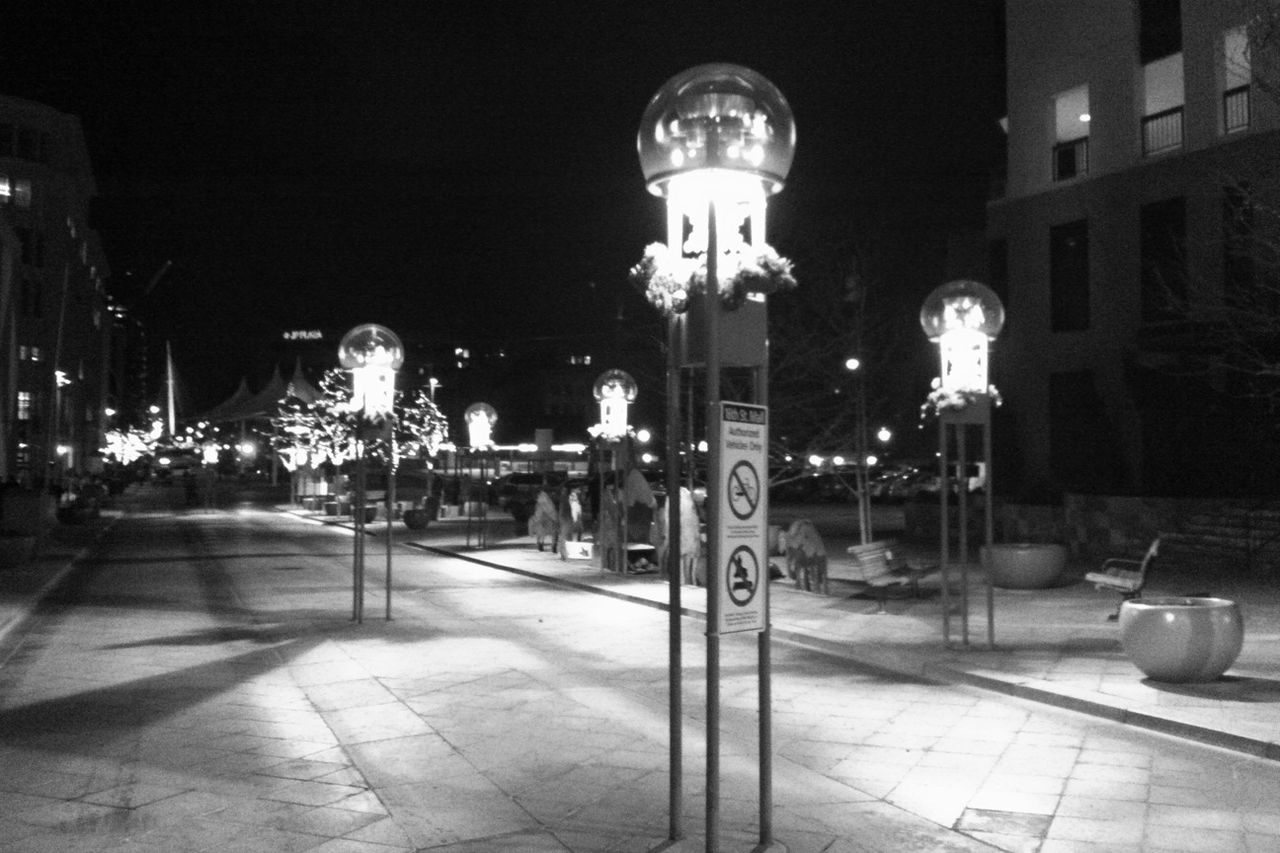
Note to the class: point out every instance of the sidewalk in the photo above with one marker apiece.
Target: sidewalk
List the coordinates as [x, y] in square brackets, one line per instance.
[1052, 646]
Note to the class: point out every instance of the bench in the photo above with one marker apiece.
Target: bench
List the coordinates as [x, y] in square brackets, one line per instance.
[876, 566]
[1126, 577]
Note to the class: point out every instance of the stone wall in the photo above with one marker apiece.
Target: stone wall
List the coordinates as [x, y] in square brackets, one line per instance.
[1092, 527]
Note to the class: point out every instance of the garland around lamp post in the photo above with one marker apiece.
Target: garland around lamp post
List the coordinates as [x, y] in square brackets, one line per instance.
[719, 134]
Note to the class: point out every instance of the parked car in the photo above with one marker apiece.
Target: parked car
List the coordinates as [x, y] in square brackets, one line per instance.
[169, 462]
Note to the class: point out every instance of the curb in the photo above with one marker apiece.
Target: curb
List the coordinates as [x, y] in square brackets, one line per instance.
[911, 664]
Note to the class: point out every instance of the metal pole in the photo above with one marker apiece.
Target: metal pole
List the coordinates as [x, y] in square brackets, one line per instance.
[391, 501]
[864, 497]
[764, 655]
[675, 710]
[962, 483]
[990, 495]
[944, 523]
[712, 302]
[357, 512]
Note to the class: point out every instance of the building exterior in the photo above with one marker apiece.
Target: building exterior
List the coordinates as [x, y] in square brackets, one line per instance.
[1135, 131]
[58, 346]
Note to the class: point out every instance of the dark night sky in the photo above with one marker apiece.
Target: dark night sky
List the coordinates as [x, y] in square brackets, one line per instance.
[464, 166]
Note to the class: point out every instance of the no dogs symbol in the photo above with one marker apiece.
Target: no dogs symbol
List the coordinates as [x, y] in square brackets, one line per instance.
[742, 576]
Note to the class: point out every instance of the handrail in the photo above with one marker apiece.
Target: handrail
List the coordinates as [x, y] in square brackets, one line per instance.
[1162, 131]
[1235, 109]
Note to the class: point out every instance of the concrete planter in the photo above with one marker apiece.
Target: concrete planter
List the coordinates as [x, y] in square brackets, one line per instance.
[417, 519]
[1024, 565]
[1180, 639]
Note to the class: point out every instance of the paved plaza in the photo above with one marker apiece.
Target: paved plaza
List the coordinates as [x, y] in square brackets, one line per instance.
[196, 683]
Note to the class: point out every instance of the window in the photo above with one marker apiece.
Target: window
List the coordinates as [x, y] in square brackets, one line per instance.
[29, 299]
[1163, 252]
[1071, 133]
[28, 144]
[1159, 29]
[1162, 106]
[1237, 241]
[1069, 276]
[1237, 74]
[24, 406]
[22, 192]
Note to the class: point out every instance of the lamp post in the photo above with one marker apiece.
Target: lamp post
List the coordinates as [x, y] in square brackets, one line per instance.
[480, 419]
[373, 354]
[962, 317]
[854, 366]
[714, 142]
[615, 391]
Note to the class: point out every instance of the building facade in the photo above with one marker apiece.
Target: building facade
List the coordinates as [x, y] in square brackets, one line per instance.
[58, 339]
[1135, 134]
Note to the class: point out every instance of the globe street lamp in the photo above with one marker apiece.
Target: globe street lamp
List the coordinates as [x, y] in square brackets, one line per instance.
[480, 419]
[372, 354]
[615, 391]
[714, 142]
[962, 317]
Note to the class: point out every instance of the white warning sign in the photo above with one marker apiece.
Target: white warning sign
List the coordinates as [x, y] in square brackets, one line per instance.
[743, 576]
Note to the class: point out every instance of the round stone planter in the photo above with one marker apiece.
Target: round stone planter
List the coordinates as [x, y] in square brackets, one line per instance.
[1024, 565]
[1181, 639]
[416, 519]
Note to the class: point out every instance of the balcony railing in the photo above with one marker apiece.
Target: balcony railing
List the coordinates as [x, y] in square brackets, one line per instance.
[1071, 158]
[1162, 131]
[1235, 109]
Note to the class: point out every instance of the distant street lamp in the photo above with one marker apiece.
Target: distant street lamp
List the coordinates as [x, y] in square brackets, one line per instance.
[962, 317]
[480, 419]
[373, 354]
[615, 391]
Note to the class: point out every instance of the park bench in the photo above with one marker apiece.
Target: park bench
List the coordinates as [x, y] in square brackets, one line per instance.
[878, 567]
[1126, 577]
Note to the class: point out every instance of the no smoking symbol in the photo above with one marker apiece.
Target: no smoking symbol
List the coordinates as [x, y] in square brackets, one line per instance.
[743, 490]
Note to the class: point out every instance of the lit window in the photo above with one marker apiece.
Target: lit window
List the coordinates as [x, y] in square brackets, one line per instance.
[24, 405]
[1071, 133]
[36, 355]
[6, 193]
[22, 192]
[24, 352]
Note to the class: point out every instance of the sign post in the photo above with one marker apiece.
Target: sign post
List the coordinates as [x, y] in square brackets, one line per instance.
[742, 582]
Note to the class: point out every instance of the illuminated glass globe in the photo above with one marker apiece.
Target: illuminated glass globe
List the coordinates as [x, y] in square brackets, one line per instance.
[718, 116]
[480, 418]
[370, 345]
[962, 305]
[616, 385]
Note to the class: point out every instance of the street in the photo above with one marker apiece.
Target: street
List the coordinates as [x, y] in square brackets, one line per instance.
[199, 684]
